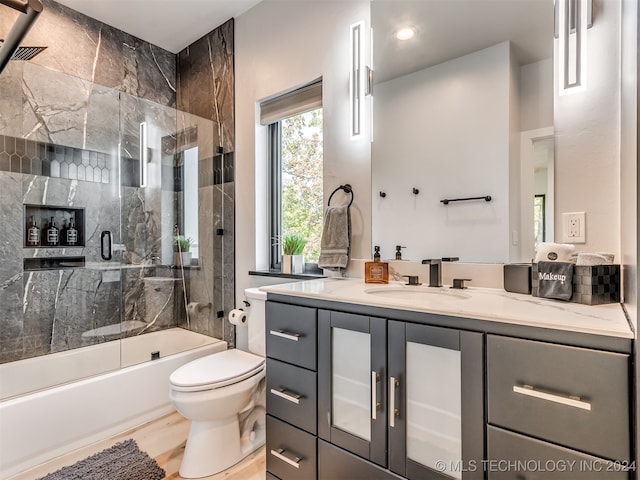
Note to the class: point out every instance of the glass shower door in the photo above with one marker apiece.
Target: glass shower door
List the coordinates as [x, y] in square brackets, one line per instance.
[58, 167]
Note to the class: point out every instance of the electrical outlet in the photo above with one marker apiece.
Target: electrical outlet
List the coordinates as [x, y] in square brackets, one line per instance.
[574, 227]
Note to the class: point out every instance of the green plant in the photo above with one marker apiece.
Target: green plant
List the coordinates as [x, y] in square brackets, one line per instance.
[181, 243]
[293, 244]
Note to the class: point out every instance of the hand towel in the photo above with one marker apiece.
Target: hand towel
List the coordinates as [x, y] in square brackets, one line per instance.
[336, 238]
[555, 280]
[592, 259]
[554, 252]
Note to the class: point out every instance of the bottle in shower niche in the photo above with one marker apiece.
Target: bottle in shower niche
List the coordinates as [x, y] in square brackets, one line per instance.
[71, 233]
[53, 234]
[33, 233]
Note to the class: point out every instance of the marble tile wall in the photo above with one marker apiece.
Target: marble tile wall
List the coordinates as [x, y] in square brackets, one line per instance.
[73, 106]
[205, 79]
[20, 155]
[90, 50]
[48, 311]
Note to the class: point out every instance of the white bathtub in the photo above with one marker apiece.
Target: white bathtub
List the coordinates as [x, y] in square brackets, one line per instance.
[40, 426]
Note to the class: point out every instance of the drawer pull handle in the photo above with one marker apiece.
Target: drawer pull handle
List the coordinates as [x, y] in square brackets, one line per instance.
[393, 411]
[569, 401]
[292, 397]
[289, 336]
[374, 395]
[295, 462]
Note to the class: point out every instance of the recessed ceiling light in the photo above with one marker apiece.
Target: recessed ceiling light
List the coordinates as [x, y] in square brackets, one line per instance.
[405, 33]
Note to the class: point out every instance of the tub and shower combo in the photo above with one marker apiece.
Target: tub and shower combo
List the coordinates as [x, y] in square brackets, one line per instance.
[93, 322]
[52, 421]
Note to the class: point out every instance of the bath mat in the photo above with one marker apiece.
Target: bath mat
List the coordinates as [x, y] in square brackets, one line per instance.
[123, 461]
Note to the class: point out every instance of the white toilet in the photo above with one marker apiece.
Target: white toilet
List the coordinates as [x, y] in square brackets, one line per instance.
[223, 396]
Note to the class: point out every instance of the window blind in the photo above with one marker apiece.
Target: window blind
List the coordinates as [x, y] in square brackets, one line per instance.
[297, 101]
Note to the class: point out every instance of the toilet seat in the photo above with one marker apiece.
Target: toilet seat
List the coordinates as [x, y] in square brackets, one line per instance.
[216, 371]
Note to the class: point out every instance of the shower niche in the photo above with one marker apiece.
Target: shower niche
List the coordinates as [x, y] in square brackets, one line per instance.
[48, 226]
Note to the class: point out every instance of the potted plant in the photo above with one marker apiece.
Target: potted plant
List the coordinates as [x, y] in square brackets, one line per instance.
[292, 258]
[181, 250]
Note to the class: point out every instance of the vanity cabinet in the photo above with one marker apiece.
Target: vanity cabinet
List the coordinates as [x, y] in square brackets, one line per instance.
[394, 399]
[352, 383]
[557, 403]
[291, 391]
[358, 392]
[436, 402]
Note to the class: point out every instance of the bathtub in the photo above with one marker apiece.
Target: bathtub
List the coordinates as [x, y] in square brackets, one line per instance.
[39, 426]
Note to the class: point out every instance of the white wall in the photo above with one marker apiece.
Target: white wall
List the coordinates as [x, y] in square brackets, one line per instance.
[460, 110]
[536, 95]
[588, 138]
[280, 45]
[629, 173]
[629, 156]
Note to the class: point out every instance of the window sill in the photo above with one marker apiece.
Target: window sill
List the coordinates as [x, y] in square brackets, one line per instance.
[278, 273]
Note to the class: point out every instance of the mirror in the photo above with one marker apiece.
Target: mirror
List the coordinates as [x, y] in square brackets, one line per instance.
[463, 109]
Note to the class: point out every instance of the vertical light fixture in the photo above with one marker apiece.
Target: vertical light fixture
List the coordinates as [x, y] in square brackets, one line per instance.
[356, 80]
[143, 154]
[573, 17]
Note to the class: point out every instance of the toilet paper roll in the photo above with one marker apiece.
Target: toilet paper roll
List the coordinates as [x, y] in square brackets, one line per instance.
[238, 317]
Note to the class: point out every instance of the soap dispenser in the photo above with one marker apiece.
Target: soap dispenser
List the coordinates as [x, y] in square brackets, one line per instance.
[376, 271]
[399, 252]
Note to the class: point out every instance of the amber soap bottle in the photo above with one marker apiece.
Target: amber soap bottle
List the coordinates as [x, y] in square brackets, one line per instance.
[376, 271]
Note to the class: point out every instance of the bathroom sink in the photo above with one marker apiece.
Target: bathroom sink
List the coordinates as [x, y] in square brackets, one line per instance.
[417, 292]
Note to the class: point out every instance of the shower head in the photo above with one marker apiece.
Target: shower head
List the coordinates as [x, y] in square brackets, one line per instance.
[29, 13]
[24, 53]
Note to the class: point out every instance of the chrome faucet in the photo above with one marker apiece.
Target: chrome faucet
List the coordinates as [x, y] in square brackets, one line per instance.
[435, 271]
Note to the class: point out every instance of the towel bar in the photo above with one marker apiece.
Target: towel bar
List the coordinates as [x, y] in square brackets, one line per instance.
[486, 198]
[347, 189]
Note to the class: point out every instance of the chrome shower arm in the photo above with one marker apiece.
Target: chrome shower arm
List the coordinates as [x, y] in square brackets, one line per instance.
[29, 13]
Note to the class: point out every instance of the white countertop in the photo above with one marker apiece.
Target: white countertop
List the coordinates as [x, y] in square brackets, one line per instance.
[490, 304]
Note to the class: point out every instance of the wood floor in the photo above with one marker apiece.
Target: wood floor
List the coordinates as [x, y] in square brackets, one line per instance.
[163, 439]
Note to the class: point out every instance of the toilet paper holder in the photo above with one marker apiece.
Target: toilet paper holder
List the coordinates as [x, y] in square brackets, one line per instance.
[238, 316]
[197, 306]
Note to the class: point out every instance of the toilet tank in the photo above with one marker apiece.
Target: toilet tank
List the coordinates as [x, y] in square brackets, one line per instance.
[256, 320]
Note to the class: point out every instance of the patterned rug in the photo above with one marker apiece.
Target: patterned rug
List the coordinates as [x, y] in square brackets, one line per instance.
[123, 461]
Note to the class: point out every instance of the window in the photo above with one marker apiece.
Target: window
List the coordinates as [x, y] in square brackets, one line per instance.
[295, 160]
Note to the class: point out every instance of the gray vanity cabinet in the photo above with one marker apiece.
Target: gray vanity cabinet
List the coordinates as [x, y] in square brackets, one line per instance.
[405, 396]
[291, 392]
[352, 383]
[553, 405]
[352, 395]
[436, 402]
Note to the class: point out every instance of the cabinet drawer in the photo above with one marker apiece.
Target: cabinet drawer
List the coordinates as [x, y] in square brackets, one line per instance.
[514, 456]
[337, 464]
[572, 396]
[291, 453]
[291, 394]
[291, 334]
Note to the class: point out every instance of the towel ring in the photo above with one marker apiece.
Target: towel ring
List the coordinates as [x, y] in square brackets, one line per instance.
[347, 189]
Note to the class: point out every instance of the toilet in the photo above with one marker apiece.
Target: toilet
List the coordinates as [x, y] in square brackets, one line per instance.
[223, 395]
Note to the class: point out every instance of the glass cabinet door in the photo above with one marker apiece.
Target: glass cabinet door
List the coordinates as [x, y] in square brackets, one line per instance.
[434, 431]
[352, 383]
[435, 402]
[350, 376]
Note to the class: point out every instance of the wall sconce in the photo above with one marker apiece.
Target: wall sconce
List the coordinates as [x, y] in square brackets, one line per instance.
[573, 17]
[143, 154]
[356, 91]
